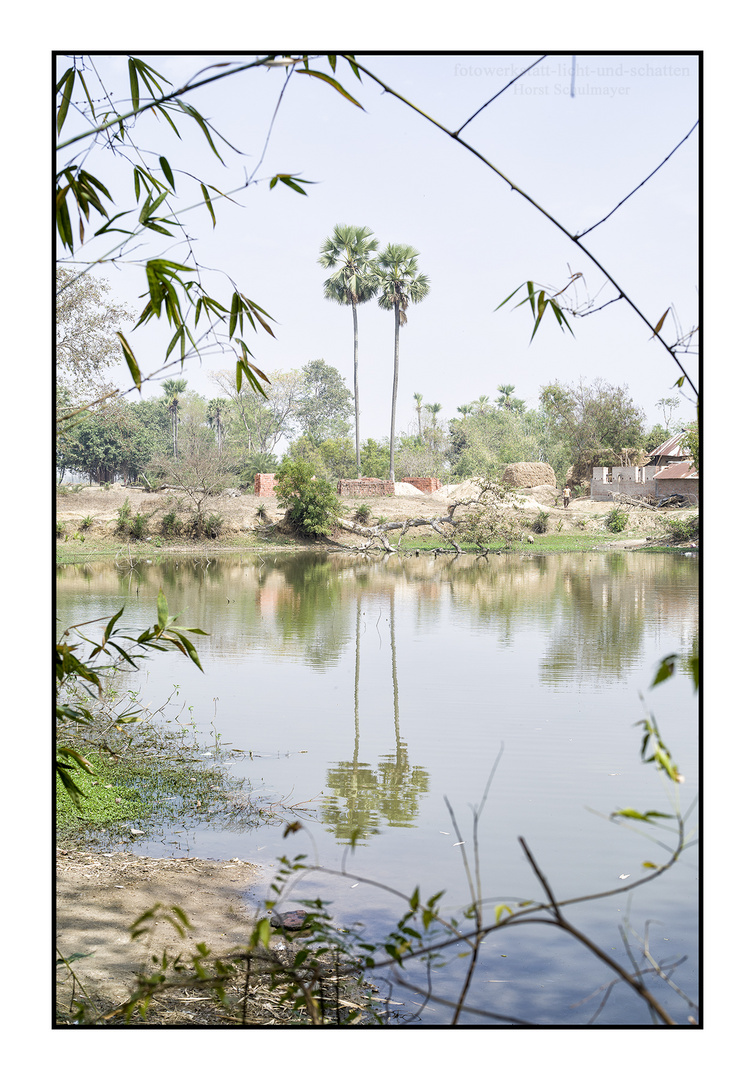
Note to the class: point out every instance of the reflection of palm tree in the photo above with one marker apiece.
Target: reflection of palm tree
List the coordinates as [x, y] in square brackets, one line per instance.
[400, 784]
[354, 783]
[361, 797]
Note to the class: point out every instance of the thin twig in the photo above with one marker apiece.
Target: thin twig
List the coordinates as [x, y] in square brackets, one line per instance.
[508, 84]
[631, 193]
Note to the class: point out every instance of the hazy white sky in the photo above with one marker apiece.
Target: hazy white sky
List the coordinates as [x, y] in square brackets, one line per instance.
[576, 147]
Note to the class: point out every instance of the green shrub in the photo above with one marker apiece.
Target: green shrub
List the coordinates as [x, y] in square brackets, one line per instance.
[213, 525]
[86, 523]
[123, 520]
[362, 514]
[682, 530]
[617, 520]
[137, 527]
[60, 530]
[311, 503]
[171, 524]
[540, 524]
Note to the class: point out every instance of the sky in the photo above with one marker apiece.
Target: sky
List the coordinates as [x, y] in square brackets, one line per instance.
[577, 135]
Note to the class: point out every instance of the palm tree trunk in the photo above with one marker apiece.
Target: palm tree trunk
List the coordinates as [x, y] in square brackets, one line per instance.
[356, 388]
[395, 387]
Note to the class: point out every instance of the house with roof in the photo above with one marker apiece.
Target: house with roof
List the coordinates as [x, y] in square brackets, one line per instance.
[669, 471]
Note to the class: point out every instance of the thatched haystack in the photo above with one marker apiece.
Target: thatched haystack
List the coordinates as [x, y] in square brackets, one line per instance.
[528, 474]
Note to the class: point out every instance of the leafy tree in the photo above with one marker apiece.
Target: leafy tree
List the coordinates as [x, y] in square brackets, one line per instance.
[173, 388]
[691, 443]
[264, 421]
[668, 406]
[86, 342]
[422, 457]
[657, 435]
[110, 441]
[596, 421]
[199, 469]
[348, 253]
[401, 284]
[312, 506]
[486, 439]
[332, 458]
[376, 459]
[257, 463]
[324, 407]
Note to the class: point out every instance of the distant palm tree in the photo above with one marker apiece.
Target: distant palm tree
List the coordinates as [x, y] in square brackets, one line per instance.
[353, 282]
[173, 388]
[505, 391]
[434, 410]
[401, 283]
[418, 407]
[215, 410]
[465, 410]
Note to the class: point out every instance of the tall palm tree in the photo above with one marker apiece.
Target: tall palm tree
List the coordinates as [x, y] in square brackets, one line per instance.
[173, 388]
[215, 411]
[418, 407]
[401, 283]
[465, 410]
[348, 253]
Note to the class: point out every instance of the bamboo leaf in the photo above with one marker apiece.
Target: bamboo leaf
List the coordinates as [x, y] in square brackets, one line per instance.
[86, 91]
[331, 82]
[666, 669]
[657, 328]
[133, 367]
[162, 610]
[235, 303]
[516, 290]
[208, 204]
[110, 625]
[134, 82]
[255, 310]
[165, 166]
[629, 813]
[67, 82]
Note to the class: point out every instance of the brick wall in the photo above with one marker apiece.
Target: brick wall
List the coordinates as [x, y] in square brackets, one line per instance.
[427, 484]
[264, 483]
[368, 485]
[683, 486]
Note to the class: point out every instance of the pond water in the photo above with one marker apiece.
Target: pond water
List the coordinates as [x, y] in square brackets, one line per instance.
[378, 694]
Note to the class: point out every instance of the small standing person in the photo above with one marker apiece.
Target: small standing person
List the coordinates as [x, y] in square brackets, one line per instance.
[567, 495]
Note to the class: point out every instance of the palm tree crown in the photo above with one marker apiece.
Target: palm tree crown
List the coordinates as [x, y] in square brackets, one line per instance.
[348, 252]
[400, 280]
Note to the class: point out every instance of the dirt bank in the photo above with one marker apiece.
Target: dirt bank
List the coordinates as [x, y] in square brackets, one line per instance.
[243, 512]
[99, 896]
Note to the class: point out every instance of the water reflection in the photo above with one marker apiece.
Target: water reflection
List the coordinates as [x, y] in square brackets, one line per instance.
[393, 684]
[363, 797]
